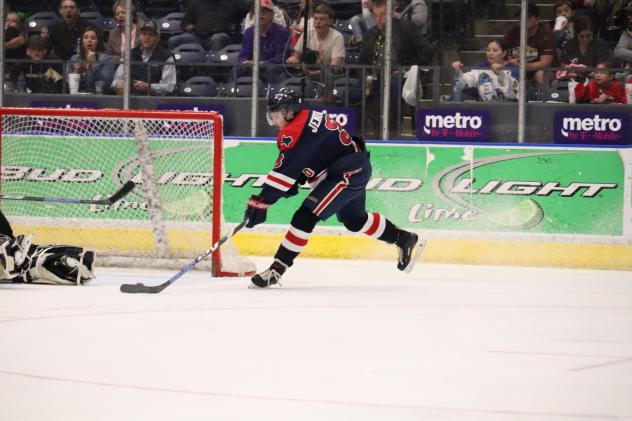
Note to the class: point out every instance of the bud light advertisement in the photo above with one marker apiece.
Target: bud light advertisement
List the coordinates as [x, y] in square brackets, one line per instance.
[592, 128]
[450, 125]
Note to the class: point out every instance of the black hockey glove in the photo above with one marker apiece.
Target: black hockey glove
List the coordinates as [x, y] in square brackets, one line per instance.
[256, 211]
[293, 191]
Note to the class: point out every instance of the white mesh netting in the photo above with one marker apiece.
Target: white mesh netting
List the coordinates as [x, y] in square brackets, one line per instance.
[169, 215]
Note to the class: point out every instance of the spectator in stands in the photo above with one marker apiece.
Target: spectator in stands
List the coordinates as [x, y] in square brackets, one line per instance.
[623, 50]
[152, 79]
[493, 79]
[116, 40]
[95, 67]
[603, 89]
[326, 43]
[584, 48]
[14, 37]
[281, 17]
[64, 35]
[214, 24]
[407, 49]
[540, 46]
[563, 23]
[415, 11]
[297, 20]
[40, 78]
[274, 45]
[362, 22]
[611, 20]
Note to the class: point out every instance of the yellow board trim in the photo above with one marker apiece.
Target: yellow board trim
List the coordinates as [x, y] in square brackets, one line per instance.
[483, 252]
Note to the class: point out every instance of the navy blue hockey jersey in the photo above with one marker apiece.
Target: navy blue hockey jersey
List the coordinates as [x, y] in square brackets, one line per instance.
[308, 145]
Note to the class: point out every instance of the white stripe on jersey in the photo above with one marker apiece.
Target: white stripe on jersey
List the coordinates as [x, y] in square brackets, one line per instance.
[279, 181]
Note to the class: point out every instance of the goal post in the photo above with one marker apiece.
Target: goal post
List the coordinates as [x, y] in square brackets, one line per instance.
[175, 158]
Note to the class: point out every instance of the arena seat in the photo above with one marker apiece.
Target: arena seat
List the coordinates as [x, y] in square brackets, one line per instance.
[39, 20]
[199, 86]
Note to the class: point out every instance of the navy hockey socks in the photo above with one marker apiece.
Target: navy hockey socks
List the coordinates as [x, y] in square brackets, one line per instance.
[302, 225]
[379, 227]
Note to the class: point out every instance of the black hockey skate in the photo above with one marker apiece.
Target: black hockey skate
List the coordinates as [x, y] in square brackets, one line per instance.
[408, 243]
[268, 277]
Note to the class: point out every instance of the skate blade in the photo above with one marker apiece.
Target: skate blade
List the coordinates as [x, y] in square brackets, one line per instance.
[420, 248]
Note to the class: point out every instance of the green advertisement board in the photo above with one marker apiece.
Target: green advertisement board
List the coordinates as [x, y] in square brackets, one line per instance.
[497, 189]
[506, 189]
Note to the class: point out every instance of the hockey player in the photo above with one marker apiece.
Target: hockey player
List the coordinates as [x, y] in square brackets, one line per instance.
[21, 261]
[314, 148]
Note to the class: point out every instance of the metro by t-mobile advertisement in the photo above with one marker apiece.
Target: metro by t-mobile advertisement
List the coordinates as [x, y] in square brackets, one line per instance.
[592, 128]
[466, 125]
[345, 116]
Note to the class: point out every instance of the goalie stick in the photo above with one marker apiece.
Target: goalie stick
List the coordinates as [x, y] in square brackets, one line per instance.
[126, 188]
[141, 288]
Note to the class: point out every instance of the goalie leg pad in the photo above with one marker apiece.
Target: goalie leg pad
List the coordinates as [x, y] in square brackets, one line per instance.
[60, 265]
[13, 253]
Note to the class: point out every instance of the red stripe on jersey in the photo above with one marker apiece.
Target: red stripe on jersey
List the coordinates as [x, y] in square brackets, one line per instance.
[279, 181]
[301, 242]
[329, 198]
[375, 225]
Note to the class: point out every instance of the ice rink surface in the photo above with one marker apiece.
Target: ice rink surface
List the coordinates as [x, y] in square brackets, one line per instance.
[340, 341]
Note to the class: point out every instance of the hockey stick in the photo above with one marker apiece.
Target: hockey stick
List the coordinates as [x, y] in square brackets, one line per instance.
[126, 188]
[140, 288]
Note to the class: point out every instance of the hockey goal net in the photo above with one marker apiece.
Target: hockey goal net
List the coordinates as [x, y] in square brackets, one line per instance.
[175, 158]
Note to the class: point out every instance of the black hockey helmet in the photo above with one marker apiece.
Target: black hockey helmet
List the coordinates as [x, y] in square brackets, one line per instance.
[285, 100]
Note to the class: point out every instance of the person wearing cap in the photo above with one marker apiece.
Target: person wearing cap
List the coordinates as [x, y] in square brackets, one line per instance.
[273, 47]
[41, 78]
[540, 46]
[149, 79]
[63, 36]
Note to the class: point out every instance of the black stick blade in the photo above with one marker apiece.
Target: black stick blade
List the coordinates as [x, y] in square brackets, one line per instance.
[140, 288]
[126, 188]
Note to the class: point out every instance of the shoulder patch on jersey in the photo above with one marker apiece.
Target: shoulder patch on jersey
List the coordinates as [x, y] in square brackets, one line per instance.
[289, 135]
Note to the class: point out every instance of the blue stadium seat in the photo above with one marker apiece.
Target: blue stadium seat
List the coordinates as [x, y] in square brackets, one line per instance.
[199, 86]
[96, 19]
[243, 87]
[295, 84]
[350, 87]
[170, 24]
[188, 57]
[228, 54]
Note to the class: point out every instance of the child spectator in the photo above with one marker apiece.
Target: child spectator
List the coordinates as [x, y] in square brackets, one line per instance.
[494, 79]
[40, 78]
[603, 89]
[563, 24]
[94, 66]
[116, 40]
[14, 37]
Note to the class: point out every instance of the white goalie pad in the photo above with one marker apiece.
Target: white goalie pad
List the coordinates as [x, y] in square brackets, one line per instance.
[59, 265]
[13, 253]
